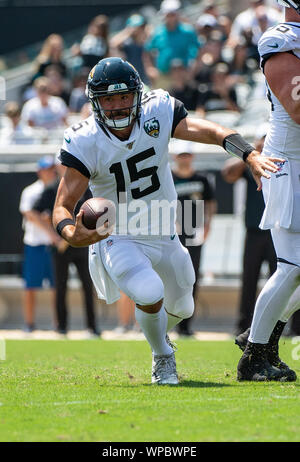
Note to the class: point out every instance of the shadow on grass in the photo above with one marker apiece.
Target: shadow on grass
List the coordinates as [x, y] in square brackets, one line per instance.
[191, 384]
[199, 384]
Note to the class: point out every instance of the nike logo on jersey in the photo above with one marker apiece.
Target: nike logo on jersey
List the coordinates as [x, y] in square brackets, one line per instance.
[68, 140]
[173, 237]
[274, 46]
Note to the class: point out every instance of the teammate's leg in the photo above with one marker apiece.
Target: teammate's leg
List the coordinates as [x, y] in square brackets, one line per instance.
[274, 297]
[292, 306]
[270, 306]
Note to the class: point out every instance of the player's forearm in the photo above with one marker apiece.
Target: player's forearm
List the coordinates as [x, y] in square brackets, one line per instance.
[61, 213]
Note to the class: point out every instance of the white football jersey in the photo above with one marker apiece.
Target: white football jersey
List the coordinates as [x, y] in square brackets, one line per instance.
[137, 168]
[284, 134]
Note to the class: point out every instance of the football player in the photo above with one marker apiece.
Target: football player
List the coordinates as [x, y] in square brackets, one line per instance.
[279, 48]
[121, 151]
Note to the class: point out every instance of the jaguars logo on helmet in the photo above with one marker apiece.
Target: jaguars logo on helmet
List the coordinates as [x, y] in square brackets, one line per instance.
[113, 76]
[290, 4]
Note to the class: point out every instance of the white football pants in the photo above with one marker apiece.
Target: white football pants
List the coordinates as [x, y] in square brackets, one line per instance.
[148, 270]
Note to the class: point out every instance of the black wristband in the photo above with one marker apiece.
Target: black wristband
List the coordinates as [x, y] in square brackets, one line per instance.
[236, 146]
[60, 226]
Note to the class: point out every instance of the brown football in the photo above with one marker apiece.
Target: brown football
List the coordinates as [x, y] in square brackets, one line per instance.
[95, 208]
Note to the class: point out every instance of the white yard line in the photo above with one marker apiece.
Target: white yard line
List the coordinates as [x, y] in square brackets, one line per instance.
[133, 400]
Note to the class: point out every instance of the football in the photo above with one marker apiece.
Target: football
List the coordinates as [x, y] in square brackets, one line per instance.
[97, 211]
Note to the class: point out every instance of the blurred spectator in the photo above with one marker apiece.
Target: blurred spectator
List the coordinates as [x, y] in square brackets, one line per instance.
[94, 45]
[173, 39]
[51, 55]
[44, 110]
[78, 97]
[130, 43]
[209, 55]
[57, 85]
[208, 28]
[64, 255]
[219, 94]
[38, 238]
[241, 64]
[224, 22]
[86, 111]
[16, 132]
[251, 24]
[192, 186]
[181, 85]
[258, 243]
[126, 317]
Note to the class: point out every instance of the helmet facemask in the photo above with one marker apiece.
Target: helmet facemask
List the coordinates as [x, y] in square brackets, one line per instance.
[107, 117]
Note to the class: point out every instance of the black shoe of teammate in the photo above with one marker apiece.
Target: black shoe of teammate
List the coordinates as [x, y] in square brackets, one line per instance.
[272, 350]
[242, 339]
[255, 367]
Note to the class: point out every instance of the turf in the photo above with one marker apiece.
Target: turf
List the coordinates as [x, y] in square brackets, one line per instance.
[100, 391]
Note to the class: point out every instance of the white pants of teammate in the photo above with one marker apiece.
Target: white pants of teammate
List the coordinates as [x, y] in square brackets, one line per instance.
[280, 297]
[148, 270]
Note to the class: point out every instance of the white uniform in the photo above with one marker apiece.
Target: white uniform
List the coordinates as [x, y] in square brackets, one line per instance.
[282, 191]
[282, 196]
[152, 264]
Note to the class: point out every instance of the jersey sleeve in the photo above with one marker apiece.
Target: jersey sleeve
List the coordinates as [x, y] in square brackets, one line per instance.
[180, 113]
[77, 152]
[279, 39]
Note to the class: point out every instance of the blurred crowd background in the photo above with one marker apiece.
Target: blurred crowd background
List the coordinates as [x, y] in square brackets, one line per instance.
[203, 52]
[199, 52]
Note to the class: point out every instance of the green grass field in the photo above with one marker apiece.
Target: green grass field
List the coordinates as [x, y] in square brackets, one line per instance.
[101, 391]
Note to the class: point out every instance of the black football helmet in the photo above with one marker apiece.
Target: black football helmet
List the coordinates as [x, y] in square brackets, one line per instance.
[291, 4]
[114, 76]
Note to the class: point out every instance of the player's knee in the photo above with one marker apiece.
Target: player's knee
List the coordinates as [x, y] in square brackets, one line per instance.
[147, 289]
[184, 307]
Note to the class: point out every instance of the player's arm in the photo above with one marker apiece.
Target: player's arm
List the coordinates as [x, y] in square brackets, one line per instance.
[42, 222]
[233, 170]
[204, 131]
[282, 71]
[71, 188]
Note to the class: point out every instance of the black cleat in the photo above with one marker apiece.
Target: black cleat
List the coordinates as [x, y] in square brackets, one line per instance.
[255, 367]
[242, 339]
[272, 351]
[274, 359]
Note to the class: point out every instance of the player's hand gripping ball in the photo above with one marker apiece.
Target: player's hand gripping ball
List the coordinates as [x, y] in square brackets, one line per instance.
[99, 214]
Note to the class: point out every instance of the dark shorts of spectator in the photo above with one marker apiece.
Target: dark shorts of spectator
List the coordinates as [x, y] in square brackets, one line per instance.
[38, 266]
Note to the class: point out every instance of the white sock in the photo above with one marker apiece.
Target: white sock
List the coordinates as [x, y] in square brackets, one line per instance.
[292, 306]
[272, 301]
[154, 327]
